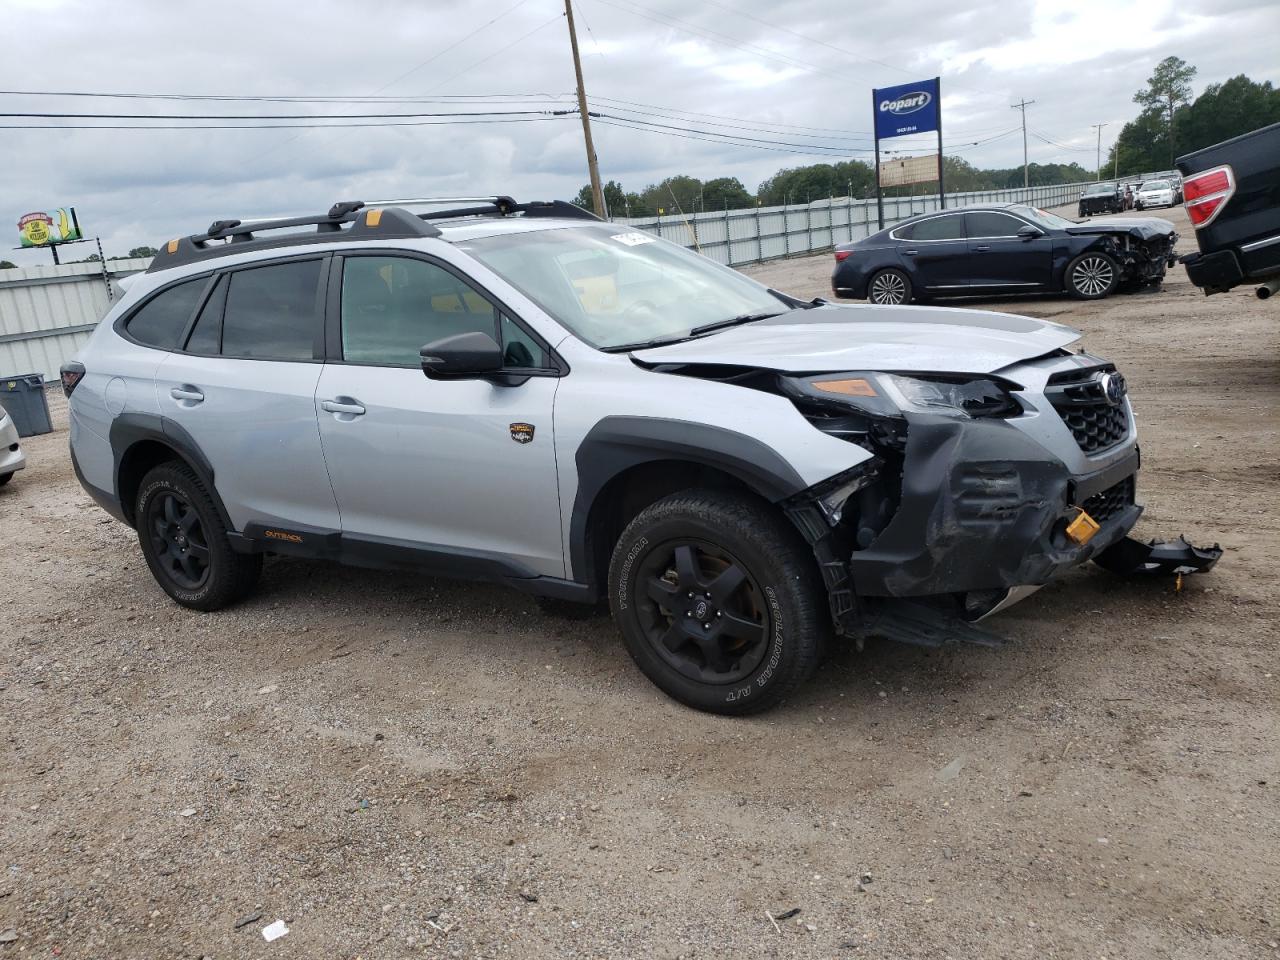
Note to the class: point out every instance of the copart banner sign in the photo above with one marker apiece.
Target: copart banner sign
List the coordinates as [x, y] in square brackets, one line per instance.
[907, 108]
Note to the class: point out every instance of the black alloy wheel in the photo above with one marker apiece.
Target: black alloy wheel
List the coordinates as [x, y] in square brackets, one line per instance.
[184, 537]
[702, 612]
[178, 539]
[719, 600]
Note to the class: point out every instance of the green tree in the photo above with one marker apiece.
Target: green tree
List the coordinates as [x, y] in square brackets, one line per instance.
[8, 265]
[1227, 110]
[726, 193]
[1167, 88]
[143, 252]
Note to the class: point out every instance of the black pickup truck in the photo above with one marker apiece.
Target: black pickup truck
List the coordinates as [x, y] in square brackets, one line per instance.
[1232, 194]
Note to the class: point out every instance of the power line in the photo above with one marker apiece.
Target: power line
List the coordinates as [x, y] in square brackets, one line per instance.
[262, 116]
[556, 115]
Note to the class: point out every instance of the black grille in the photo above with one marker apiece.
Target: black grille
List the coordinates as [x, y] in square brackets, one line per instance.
[1078, 397]
[1110, 502]
[1095, 426]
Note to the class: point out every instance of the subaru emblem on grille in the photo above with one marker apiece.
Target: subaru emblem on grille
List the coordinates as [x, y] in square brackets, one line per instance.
[1113, 388]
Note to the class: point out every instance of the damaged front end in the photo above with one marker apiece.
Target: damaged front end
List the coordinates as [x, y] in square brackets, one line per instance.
[960, 512]
[1143, 249]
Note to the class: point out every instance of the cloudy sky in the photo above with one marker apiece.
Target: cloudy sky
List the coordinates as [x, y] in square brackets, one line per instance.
[788, 80]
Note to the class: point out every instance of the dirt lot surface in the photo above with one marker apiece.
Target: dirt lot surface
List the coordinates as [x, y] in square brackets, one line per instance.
[406, 767]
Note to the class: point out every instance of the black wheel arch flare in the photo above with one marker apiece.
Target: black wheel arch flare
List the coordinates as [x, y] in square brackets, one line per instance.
[130, 429]
[617, 444]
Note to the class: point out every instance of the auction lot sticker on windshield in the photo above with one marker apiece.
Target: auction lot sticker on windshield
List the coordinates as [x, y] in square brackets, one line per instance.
[634, 239]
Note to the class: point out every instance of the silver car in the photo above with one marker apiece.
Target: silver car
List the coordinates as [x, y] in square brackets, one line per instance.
[525, 394]
[12, 459]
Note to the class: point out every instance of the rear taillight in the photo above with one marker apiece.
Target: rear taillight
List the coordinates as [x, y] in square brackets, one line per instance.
[1205, 194]
[843, 255]
[72, 373]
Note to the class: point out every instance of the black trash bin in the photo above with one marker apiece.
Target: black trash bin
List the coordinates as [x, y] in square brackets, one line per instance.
[23, 397]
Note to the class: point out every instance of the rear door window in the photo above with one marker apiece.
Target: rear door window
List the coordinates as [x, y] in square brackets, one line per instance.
[939, 228]
[272, 312]
[989, 224]
[163, 319]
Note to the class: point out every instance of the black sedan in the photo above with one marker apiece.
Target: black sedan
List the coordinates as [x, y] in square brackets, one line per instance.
[1002, 249]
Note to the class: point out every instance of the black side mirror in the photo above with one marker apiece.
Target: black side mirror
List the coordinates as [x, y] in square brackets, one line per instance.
[1029, 232]
[463, 356]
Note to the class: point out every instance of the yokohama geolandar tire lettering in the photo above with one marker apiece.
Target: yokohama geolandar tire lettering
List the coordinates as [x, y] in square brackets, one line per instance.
[718, 601]
[185, 542]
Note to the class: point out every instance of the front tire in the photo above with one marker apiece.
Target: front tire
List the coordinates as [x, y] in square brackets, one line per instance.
[719, 601]
[185, 541]
[1091, 276]
[889, 288]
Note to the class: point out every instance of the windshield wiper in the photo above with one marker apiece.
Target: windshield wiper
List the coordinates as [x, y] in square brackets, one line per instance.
[732, 322]
[645, 344]
[695, 332]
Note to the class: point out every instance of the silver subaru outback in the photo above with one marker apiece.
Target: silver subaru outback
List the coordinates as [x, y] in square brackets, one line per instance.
[523, 393]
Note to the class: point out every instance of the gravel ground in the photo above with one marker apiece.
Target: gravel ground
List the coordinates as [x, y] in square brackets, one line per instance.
[407, 767]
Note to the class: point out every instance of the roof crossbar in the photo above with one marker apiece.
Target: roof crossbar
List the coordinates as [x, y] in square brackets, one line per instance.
[380, 219]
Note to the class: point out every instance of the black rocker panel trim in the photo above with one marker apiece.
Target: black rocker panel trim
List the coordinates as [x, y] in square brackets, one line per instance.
[381, 553]
[616, 444]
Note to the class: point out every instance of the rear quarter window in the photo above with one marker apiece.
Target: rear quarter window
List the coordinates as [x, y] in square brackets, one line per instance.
[162, 320]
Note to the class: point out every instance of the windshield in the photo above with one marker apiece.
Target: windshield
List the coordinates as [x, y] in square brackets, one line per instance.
[1156, 185]
[1100, 188]
[612, 287]
[1043, 217]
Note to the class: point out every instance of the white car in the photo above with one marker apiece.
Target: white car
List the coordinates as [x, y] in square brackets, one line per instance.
[12, 459]
[1155, 193]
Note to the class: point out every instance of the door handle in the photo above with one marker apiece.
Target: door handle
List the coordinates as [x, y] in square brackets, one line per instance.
[187, 394]
[343, 405]
[910, 253]
[983, 246]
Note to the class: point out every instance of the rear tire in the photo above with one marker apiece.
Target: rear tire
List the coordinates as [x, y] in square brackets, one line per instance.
[889, 288]
[1091, 276]
[719, 601]
[5, 478]
[185, 541]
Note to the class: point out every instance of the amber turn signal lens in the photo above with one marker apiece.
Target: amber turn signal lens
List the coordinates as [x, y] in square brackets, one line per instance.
[847, 388]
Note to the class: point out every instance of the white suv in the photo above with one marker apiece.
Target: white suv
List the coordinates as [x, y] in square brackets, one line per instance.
[603, 413]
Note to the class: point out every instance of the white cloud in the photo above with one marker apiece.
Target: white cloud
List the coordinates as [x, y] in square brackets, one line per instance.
[1080, 63]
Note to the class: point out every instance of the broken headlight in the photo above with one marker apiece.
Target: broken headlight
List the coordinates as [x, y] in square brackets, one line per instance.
[968, 398]
[891, 395]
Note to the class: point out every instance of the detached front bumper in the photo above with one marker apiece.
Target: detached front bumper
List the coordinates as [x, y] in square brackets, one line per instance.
[984, 507]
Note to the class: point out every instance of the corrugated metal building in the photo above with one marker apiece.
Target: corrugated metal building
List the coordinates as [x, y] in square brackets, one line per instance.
[47, 312]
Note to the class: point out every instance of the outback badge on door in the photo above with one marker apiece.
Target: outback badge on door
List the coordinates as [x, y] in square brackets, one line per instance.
[522, 432]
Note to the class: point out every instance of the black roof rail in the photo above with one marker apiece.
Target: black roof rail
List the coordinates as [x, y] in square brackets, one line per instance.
[347, 219]
[501, 206]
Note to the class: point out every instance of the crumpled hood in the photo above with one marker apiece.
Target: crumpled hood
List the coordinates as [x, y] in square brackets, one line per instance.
[868, 337]
[1144, 228]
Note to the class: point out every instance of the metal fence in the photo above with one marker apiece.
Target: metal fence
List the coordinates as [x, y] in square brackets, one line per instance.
[46, 313]
[736, 237]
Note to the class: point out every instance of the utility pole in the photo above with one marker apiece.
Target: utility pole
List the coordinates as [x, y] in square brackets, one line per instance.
[597, 194]
[1022, 105]
[1098, 127]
